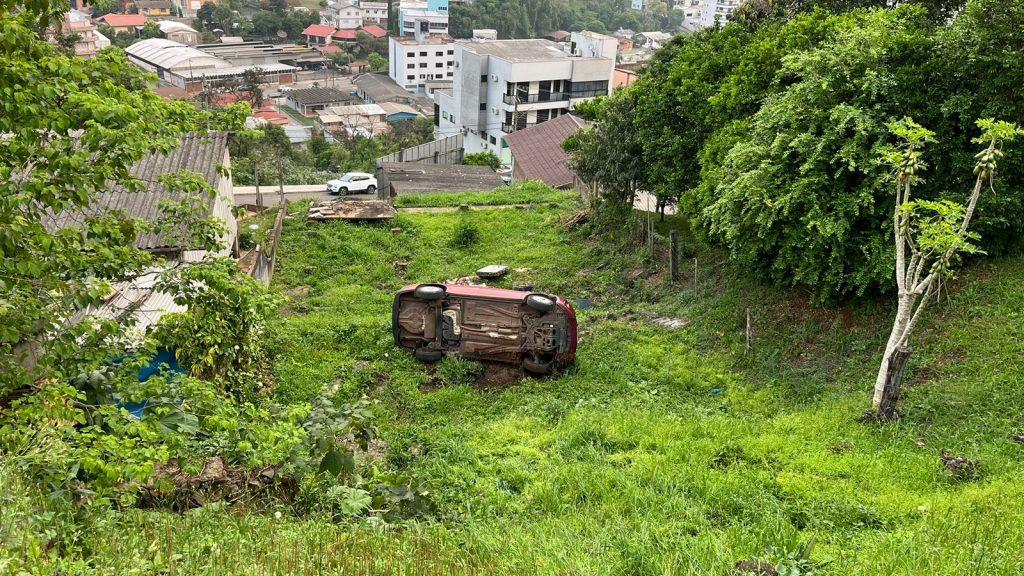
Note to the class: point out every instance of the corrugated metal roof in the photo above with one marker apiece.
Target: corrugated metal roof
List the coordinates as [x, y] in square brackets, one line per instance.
[169, 55]
[202, 154]
[538, 154]
[309, 96]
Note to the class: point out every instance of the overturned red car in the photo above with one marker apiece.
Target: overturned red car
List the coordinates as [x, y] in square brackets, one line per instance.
[535, 331]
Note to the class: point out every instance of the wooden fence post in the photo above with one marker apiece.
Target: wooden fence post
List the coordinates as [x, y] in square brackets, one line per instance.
[673, 255]
[750, 331]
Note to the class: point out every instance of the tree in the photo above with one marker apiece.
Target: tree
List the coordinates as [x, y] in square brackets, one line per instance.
[377, 62]
[929, 238]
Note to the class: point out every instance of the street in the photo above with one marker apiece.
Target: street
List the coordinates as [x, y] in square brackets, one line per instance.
[247, 194]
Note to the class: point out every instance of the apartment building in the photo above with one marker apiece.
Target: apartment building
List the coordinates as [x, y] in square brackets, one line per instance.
[342, 14]
[500, 86]
[420, 17]
[416, 60]
[374, 12]
[713, 11]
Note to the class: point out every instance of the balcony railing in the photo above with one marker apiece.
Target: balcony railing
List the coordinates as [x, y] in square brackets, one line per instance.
[588, 93]
[534, 98]
[510, 128]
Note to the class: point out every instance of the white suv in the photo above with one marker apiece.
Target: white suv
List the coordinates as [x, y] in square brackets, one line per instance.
[353, 182]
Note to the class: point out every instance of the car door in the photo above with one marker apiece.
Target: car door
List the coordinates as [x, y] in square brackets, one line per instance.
[359, 183]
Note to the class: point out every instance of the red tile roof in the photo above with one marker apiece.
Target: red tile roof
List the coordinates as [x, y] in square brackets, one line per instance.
[344, 35]
[318, 30]
[537, 150]
[123, 20]
[375, 31]
[329, 49]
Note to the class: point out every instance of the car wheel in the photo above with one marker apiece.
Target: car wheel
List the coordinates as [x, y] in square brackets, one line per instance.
[429, 292]
[540, 302]
[371, 189]
[343, 191]
[536, 367]
[428, 355]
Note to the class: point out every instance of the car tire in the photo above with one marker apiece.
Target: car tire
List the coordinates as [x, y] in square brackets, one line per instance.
[428, 355]
[540, 302]
[429, 292]
[343, 191]
[371, 189]
[537, 367]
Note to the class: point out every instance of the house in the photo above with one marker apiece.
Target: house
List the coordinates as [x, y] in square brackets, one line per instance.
[139, 300]
[318, 34]
[415, 60]
[623, 77]
[154, 8]
[308, 100]
[375, 12]
[537, 152]
[396, 112]
[206, 155]
[344, 36]
[375, 31]
[501, 86]
[403, 178]
[365, 120]
[124, 22]
[418, 19]
[653, 40]
[342, 14]
[88, 41]
[377, 88]
[179, 32]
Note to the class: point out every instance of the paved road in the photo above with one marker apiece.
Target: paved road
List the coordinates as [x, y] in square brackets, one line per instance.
[247, 194]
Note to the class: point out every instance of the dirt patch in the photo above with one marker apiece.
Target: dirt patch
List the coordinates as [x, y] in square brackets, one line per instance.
[432, 385]
[498, 376]
[960, 468]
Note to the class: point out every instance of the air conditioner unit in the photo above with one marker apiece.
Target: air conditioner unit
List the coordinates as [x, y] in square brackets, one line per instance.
[494, 111]
[494, 77]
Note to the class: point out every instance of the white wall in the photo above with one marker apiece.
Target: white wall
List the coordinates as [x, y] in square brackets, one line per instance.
[435, 65]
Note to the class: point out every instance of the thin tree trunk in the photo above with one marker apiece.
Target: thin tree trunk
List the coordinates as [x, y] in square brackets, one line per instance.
[896, 366]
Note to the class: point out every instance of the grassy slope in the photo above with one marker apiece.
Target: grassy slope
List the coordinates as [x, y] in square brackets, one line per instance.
[672, 450]
[658, 451]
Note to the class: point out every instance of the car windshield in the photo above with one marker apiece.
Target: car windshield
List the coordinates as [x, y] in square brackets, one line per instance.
[346, 178]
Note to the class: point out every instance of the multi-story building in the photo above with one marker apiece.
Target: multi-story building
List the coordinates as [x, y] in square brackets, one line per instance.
[500, 86]
[423, 17]
[713, 11]
[88, 41]
[415, 60]
[342, 14]
[374, 12]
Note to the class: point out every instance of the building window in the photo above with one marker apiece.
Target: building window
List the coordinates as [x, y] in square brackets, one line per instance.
[449, 74]
[410, 77]
[423, 64]
[543, 116]
[483, 77]
[439, 54]
[410, 65]
[483, 106]
[423, 53]
[410, 54]
[439, 65]
[493, 140]
[450, 52]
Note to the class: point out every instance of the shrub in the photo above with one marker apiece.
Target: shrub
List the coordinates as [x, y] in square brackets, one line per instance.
[465, 235]
[482, 159]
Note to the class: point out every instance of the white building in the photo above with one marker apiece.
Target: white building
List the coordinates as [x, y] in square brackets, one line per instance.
[413, 21]
[413, 61]
[342, 14]
[375, 12]
[714, 11]
[505, 85]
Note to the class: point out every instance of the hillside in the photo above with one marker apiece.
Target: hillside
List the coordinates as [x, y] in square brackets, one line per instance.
[659, 451]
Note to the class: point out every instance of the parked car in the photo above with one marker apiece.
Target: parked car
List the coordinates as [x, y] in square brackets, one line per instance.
[528, 329]
[353, 182]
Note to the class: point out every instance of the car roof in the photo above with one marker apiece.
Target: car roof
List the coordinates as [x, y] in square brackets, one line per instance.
[357, 174]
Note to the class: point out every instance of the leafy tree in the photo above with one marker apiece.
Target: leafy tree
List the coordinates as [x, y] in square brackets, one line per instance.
[377, 62]
[799, 197]
[482, 159]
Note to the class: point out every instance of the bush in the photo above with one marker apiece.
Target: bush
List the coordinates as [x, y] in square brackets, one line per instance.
[466, 234]
[482, 159]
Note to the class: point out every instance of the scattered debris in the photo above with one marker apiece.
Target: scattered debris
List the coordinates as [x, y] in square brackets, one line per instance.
[401, 267]
[523, 287]
[396, 231]
[216, 481]
[1018, 438]
[463, 207]
[345, 209]
[577, 219]
[920, 442]
[583, 304]
[960, 467]
[492, 271]
[498, 376]
[671, 323]
[755, 568]
[841, 447]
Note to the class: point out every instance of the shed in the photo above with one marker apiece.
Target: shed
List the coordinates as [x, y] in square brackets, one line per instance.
[537, 152]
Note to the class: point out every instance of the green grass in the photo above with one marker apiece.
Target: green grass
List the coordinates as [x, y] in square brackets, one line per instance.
[658, 451]
[525, 194]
